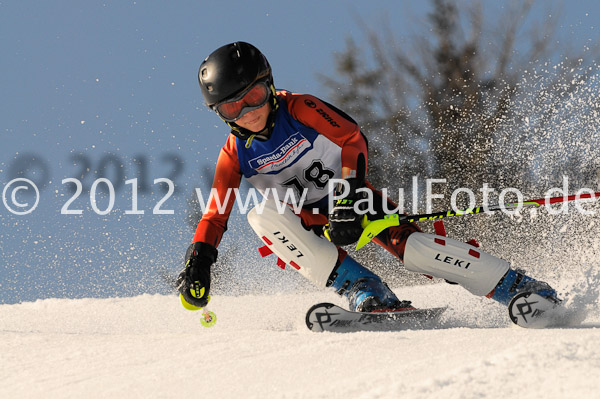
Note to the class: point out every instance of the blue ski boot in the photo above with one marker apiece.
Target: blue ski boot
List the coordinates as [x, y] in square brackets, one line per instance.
[365, 290]
[516, 281]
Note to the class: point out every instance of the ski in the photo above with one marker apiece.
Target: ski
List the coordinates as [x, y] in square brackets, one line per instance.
[530, 310]
[329, 317]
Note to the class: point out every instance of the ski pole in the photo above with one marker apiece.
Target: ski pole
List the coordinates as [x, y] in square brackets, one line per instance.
[371, 228]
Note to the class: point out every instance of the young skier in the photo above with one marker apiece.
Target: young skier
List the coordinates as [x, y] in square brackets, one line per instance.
[283, 141]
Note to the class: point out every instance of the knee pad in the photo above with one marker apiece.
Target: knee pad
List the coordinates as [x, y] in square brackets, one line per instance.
[281, 229]
[455, 261]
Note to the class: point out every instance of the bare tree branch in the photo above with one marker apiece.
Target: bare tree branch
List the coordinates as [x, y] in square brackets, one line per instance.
[441, 104]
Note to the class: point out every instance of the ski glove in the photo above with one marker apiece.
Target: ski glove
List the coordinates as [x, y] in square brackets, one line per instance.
[344, 221]
[193, 282]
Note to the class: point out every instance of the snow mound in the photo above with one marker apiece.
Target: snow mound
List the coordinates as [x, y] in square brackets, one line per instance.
[149, 346]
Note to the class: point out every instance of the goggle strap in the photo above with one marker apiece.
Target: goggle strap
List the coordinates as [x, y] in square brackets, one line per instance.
[249, 140]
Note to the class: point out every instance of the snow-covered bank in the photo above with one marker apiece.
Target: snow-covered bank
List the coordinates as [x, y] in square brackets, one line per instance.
[150, 347]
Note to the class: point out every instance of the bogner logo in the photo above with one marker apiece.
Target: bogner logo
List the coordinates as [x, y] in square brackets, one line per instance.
[452, 261]
[325, 115]
[327, 118]
[310, 103]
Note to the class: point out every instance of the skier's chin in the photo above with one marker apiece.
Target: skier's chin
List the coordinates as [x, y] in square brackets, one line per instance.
[258, 128]
[255, 125]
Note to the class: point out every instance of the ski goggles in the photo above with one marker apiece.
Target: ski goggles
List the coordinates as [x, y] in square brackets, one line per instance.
[249, 100]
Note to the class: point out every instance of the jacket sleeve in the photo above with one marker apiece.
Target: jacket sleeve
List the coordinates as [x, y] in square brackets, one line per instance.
[336, 126]
[227, 177]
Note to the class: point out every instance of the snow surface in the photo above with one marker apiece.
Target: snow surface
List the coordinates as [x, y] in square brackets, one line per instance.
[150, 347]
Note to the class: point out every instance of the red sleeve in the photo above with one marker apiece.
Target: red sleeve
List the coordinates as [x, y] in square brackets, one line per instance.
[312, 112]
[227, 177]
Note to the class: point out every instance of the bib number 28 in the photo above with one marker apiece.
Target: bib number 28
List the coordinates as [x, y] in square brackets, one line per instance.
[316, 174]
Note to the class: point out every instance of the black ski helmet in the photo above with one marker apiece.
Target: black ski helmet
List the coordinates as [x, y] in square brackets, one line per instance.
[231, 69]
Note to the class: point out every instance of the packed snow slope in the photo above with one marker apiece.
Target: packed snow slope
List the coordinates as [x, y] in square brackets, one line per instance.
[150, 347]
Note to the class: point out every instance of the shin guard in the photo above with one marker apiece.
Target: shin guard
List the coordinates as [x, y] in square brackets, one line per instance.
[455, 261]
[281, 229]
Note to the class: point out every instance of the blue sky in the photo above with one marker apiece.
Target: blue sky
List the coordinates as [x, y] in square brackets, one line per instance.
[104, 82]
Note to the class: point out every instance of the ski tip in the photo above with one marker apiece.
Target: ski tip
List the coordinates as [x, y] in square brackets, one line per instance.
[314, 319]
[530, 310]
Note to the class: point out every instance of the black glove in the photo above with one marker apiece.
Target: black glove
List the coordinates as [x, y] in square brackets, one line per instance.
[193, 282]
[344, 222]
